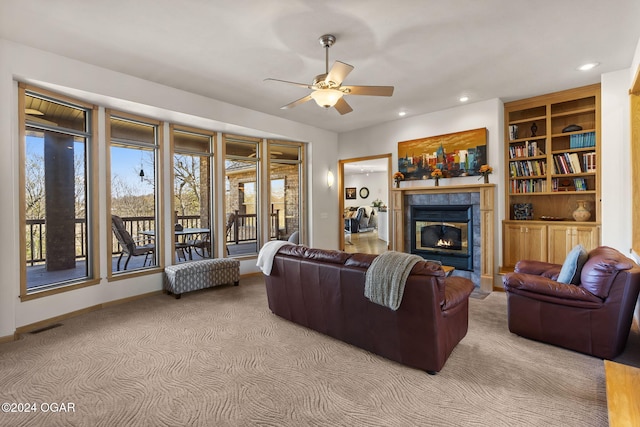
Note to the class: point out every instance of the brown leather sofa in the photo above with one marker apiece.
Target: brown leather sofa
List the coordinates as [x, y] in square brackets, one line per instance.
[593, 317]
[324, 290]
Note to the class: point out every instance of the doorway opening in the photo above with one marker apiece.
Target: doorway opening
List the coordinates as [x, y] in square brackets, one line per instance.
[364, 191]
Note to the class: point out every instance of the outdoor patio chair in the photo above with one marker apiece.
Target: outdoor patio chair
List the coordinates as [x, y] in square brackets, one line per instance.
[128, 244]
[202, 246]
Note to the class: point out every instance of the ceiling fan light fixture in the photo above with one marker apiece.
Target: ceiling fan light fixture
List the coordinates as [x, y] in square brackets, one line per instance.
[326, 98]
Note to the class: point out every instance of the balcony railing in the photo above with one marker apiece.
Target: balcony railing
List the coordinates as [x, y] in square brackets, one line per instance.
[243, 229]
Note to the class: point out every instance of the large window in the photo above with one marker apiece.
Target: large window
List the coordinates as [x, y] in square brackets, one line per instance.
[242, 196]
[57, 212]
[136, 236]
[285, 169]
[192, 193]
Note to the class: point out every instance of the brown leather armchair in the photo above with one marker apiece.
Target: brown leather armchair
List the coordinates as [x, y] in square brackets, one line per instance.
[593, 317]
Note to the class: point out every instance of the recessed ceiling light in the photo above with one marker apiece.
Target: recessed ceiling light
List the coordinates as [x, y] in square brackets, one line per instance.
[588, 66]
[402, 113]
[463, 98]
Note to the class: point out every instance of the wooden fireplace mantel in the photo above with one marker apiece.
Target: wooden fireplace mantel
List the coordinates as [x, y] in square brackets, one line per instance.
[487, 216]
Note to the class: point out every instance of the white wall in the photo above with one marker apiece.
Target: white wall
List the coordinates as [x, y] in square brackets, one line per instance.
[376, 182]
[384, 138]
[116, 90]
[616, 161]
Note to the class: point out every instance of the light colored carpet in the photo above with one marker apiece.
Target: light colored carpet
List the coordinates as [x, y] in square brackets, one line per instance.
[219, 357]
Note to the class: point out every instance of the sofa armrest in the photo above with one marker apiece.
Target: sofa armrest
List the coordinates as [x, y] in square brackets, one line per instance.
[538, 285]
[539, 268]
[456, 291]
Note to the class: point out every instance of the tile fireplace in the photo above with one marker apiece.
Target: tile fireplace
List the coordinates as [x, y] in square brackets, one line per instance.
[441, 232]
[457, 227]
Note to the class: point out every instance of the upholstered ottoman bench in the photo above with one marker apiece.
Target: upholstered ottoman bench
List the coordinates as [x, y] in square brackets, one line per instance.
[195, 275]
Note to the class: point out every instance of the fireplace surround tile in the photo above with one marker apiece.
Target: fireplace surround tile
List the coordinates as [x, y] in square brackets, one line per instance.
[482, 200]
[451, 199]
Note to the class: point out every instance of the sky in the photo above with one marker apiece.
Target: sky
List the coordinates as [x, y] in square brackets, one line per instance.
[125, 164]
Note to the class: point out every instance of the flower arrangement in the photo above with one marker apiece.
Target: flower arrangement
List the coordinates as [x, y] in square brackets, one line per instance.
[436, 173]
[398, 176]
[485, 170]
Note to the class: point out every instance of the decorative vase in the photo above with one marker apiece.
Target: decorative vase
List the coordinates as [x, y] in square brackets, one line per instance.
[581, 213]
[397, 183]
[437, 182]
[486, 178]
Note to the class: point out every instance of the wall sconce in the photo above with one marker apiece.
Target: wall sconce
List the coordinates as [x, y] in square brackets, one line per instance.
[330, 179]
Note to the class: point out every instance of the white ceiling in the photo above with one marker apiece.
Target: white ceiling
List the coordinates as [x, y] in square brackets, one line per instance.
[432, 51]
[366, 166]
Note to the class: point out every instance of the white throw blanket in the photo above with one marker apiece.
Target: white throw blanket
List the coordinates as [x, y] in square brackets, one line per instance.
[386, 277]
[267, 253]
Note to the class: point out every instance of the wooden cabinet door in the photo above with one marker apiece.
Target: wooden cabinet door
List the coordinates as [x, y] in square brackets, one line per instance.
[524, 242]
[562, 238]
[588, 237]
[560, 242]
[534, 244]
[512, 243]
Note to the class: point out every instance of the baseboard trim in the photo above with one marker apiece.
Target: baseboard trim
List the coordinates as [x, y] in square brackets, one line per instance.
[8, 338]
[56, 319]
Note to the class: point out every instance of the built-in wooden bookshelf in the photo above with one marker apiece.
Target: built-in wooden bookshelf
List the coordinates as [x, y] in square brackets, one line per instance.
[552, 151]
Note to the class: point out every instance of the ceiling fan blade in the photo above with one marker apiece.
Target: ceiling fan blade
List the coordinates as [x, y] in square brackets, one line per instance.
[338, 72]
[297, 102]
[343, 107]
[370, 90]
[291, 83]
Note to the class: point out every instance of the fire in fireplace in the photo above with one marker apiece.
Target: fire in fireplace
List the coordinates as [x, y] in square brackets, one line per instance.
[443, 233]
[438, 236]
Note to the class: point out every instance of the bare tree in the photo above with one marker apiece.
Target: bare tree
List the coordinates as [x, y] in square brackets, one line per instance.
[187, 184]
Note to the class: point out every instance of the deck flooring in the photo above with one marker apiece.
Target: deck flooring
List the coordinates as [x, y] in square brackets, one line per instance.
[38, 275]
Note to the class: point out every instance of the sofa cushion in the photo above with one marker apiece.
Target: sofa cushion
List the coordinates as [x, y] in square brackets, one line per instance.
[572, 267]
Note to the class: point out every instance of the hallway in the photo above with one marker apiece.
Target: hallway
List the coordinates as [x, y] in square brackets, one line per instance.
[367, 243]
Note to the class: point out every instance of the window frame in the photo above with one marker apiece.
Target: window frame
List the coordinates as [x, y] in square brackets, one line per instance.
[212, 174]
[159, 217]
[259, 186]
[91, 189]
[302, 199]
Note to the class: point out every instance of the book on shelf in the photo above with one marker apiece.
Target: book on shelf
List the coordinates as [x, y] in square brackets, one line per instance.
[528, 186]
[567, 163]
[580, 184]
[526, 149]
[589, 162]
[527, 168]
[582, 140]
[513, 132]
[575, 162]
[562, 164]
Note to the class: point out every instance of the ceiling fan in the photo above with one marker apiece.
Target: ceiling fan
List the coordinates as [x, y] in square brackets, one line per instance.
[327, 88]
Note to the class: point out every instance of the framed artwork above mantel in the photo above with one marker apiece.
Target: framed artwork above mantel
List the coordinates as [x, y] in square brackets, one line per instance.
[456, 154]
